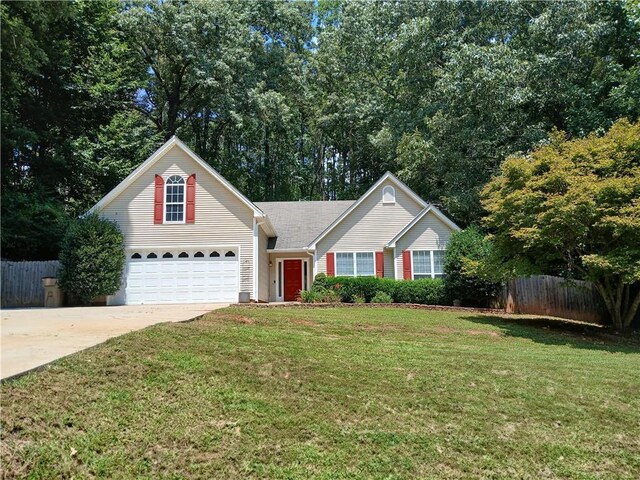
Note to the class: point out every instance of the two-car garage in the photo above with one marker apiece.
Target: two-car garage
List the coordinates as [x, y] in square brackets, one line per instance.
[202, 275]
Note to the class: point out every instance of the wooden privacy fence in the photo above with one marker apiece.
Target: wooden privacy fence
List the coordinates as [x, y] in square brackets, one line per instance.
[557, 297]
[22, 282]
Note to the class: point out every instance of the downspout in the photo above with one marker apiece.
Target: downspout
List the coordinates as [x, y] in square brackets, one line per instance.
[255, 259]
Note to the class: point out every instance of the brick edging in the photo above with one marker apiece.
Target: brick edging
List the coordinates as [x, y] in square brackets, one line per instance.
[414, 306]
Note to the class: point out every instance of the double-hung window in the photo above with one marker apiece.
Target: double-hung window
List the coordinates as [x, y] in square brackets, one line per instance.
[356, 264]
[174, 200]
[428, 264]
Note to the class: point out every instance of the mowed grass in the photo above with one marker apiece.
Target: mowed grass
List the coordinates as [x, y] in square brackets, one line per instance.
[333, 393]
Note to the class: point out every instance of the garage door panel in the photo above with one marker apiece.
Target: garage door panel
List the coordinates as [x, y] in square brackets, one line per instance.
[181, 280]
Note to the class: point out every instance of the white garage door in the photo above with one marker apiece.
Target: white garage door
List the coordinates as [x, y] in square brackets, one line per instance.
[199, 276]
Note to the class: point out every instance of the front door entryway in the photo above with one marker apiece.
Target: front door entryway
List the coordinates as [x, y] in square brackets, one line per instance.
[292, 279]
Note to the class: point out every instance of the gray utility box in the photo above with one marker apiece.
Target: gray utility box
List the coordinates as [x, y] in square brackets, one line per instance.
[244, 297]
[52, 293]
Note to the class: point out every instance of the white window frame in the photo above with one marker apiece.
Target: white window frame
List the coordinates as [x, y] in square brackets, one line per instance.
[355, 264]
[389, 188]
[433, 273]
[184, 200]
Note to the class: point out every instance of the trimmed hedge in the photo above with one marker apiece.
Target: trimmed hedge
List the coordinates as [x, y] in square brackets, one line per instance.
[427, 291]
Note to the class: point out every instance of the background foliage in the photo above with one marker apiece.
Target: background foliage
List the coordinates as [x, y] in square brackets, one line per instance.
[298, 100]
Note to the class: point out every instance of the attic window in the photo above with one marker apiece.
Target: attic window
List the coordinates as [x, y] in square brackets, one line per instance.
[388, 194]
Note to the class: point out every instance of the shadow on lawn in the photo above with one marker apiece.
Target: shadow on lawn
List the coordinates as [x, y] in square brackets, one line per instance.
[560, 332]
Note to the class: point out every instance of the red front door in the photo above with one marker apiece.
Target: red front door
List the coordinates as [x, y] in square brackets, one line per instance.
[292, 279]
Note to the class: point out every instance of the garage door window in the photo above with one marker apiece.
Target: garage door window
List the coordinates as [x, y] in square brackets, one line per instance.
[230, 254]
[167, 255]
[199, 255]
[214, 254]
[152, 255]
[136, 256]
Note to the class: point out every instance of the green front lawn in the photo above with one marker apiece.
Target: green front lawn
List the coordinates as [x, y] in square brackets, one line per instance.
[332, 393]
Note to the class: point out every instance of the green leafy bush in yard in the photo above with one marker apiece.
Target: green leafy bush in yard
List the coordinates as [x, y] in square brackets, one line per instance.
[382, 297]
[359, 299]
[330, 296]
[91, 258]
[461, 283]
[309, 296]
[427, 291]
[320, 295]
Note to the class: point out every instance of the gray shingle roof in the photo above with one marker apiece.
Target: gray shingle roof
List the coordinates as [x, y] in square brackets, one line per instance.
[299, 223]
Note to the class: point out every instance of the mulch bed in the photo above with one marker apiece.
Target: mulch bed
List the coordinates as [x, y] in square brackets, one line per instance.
[416, 306]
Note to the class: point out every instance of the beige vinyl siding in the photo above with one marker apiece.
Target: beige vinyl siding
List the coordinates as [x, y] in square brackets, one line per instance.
[370, 226]
[222, 219]
[388, 264]
[263, 267]
[430, 233]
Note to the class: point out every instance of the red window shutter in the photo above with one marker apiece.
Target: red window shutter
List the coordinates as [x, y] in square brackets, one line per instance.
[191, 199]
[406, 264]
[158, 206]
[331, 265]
[379, 264]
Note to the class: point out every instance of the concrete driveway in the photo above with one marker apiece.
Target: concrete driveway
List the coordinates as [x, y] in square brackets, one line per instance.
[33, 337]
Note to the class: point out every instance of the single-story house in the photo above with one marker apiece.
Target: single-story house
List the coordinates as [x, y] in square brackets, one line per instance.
[191, 236]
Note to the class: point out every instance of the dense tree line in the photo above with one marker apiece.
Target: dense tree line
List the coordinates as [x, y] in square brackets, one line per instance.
[297, 100]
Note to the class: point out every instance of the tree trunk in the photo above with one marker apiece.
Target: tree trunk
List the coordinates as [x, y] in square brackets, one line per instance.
[268, 168]
[632, 308]
[614, 293]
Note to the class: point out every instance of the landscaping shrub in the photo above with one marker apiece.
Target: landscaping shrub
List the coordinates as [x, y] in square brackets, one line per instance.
[91, 258]
[472, 290]
[330, 296]
[309, 296]
[382, 297]
[428, 291]
[359, 299]
[320, 294]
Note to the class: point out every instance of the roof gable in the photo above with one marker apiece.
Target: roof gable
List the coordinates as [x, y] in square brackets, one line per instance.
[387, 176]
[157, 155]
[441, 216]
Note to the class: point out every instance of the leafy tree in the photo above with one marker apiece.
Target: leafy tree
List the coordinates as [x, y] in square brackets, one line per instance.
[469, 245]
[66, 72]
[32, 226]
[574, 206]
[92, 258]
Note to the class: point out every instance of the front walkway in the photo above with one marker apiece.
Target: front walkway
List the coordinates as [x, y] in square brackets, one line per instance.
[36, 336]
